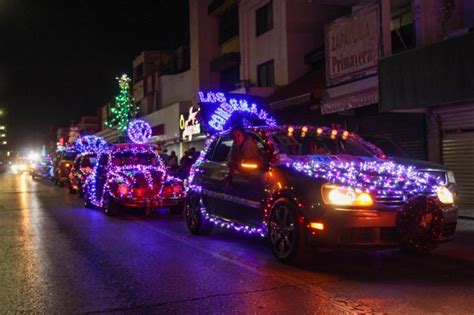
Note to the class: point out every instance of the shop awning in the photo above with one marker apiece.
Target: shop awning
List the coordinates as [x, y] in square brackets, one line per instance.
[437, 74]
[303, 91]
[351, 95]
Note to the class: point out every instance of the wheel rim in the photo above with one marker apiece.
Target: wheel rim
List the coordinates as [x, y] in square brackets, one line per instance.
[282, 231]
[193, 212]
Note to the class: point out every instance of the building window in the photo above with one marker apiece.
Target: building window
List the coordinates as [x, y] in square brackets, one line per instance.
[266, 74]
[264, 20]
[229, 24]
[229, 78]
[138, 72]
[402, 29]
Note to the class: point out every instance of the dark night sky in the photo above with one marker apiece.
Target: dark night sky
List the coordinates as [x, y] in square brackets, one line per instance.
[59, 59]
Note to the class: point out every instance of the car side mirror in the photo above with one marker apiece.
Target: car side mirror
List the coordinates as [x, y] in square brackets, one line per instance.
[251, 165]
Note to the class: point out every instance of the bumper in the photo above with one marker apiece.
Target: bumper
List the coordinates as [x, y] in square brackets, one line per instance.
[365, 228]
[149, 202]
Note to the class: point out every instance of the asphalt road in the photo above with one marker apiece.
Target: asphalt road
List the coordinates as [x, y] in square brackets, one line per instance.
[58, 257]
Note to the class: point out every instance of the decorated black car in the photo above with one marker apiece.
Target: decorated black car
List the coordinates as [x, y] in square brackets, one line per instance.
[317, 187]
[132, 175]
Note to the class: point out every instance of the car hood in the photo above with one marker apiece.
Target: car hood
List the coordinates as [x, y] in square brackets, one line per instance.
[365, 173]
[419, 164]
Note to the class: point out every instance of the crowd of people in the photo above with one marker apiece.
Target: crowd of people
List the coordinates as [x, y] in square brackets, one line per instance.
[181, 167]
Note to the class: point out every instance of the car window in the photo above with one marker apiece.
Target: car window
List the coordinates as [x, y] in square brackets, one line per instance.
[77, 162]
[258, 141]
[296, 145]
[129, 158]
[210, 151]
[103, 160]
[88, 161]
[222, 149]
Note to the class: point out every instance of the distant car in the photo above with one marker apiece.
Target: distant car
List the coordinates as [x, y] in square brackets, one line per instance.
[394, 152]
[132, 175]
[81, 169]
[317, 187]
[42, 168]
[62, 166]
[20, 165]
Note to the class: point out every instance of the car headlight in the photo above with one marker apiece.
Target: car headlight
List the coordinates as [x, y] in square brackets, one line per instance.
[444, 195]
[345, 196]
[451, 178]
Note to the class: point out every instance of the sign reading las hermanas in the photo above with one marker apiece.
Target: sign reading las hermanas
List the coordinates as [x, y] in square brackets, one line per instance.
[352, 45]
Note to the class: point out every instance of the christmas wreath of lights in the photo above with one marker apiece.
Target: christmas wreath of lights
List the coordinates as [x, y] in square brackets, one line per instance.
[420, 224]
[139, 131]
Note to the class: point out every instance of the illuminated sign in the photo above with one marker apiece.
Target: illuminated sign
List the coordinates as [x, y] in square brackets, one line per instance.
[227, 107]
[190, 126]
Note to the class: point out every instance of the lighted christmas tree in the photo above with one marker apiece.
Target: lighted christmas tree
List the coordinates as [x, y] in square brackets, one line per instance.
[124, 108]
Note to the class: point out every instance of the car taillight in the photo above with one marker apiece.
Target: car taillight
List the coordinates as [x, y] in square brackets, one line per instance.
[139, 192]
[177, 189]
[167, 192]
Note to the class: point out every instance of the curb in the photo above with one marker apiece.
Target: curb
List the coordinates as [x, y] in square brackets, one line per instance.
[466, 217]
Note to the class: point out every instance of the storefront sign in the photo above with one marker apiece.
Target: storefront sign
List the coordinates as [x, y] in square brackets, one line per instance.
[352, 46]
[350, 101]
[190, 126]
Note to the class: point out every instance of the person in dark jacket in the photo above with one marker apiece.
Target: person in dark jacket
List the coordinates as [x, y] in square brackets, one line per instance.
[244, 148]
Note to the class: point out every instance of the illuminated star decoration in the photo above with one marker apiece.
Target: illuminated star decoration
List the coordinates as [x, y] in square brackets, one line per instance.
[90, 143]
[139, 131]
[124, 108]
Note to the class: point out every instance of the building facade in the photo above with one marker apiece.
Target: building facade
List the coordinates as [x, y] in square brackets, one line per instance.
[148, 67]
[436, 79]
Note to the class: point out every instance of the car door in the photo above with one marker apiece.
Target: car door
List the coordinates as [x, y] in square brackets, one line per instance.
[215, 171]
[101, 175]
[247, 189]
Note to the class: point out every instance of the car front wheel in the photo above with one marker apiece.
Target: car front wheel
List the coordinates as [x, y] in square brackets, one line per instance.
[177, 209]
[286, 234]
[195, 220]
[111, 207]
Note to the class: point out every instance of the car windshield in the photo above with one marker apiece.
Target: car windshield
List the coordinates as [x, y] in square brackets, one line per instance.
[89, 161]
[388, 147]
[313, 145]
[129, 158]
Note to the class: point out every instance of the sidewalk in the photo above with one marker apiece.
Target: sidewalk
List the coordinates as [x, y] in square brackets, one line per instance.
[466, 211]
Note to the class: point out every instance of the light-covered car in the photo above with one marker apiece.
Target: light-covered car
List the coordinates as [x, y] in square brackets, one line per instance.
[133, 176]
[317, 187]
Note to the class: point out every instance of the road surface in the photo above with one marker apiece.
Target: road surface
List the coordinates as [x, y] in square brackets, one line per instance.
[56, 256]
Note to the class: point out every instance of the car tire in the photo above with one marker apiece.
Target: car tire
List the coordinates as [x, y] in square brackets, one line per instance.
[87, 202]
[286, 234]
[80, 192]
[411, 250]
[110, 207]
[177, 209]
[195, 221]
[71, 190]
